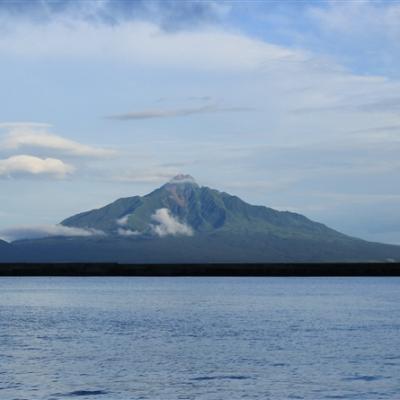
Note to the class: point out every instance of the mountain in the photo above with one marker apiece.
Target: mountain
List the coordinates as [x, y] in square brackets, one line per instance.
[202, 209]
[184, 222]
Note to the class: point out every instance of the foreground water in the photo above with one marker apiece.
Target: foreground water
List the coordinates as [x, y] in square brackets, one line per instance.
[199, 338]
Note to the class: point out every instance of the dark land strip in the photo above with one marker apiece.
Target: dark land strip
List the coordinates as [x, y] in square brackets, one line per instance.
[270, 269]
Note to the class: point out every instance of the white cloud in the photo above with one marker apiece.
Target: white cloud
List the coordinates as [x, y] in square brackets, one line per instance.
[294, 79]
[27, 125]
[183, 178]
[127, 232]
[168, 225]
[123, 220]
[142, 44]
[30, 135]
[30, 165]
[42, 231]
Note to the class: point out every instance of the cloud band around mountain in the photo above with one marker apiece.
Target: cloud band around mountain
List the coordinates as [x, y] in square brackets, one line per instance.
[42, 231]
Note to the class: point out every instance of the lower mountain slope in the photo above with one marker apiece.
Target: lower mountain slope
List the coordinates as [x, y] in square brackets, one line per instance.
[204, 248]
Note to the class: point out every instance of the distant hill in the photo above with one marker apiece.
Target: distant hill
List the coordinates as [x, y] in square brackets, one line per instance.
[7, 252]
[184, 222]
[4, 245]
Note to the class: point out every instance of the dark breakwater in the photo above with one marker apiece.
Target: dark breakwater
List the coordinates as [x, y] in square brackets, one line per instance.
[278, 269]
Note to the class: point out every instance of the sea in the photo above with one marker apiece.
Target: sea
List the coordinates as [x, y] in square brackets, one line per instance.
[121, 338]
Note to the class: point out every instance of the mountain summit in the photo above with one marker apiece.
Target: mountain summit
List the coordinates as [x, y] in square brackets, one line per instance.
[184, 222]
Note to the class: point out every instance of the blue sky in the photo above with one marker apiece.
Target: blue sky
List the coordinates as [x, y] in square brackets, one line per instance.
[294, 105]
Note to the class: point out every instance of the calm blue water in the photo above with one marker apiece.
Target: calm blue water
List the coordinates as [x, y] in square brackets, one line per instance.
[199, 338]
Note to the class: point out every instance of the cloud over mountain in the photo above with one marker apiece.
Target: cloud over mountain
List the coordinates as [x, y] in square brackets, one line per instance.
[167, 224]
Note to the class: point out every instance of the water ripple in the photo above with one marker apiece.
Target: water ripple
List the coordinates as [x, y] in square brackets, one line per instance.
[219, 377]
[77, 393]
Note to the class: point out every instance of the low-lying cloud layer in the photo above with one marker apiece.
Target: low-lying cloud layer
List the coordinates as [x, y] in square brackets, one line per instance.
[42, 231]
[30, 165]
[168, 225]
[127, 232]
